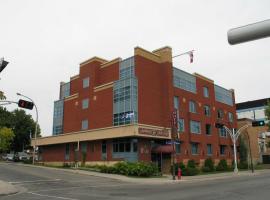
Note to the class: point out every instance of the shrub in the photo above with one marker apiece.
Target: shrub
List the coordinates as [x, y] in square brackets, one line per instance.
[190, 171]
[180, 165]
[208, 165]
[191, 164]
[222, 165]
[131, 169]
[243, 165]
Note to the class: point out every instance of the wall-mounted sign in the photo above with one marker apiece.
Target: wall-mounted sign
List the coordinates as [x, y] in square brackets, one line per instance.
[153, 132]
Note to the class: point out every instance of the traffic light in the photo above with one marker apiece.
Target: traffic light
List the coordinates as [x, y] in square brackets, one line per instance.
[3, 64]
[219, 125]
[258, 123]
[25, 104]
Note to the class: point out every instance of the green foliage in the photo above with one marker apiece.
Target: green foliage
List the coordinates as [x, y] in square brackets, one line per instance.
[267, 112]
[243, 151]
[222, 165]
[2, 96]
[131, 169]
[21, 124]
[6, 138]
[83, 158]
[243, 165]
[189, 170]
[208, 165]
[191, 164]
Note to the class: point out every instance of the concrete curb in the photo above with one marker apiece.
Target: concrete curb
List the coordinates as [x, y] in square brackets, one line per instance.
[7, 189]
[164, 180]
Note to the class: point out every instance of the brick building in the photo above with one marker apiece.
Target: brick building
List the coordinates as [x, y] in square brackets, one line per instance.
[121, 110]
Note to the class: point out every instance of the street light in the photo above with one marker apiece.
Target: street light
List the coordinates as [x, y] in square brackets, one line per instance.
[34, 151]
[234, 136]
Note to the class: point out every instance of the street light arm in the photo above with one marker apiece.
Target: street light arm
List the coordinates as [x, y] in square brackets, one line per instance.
[229, 131]
[240, 130]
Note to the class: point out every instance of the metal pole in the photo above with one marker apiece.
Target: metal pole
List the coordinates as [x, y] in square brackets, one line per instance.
[34, 151]
[235, 153]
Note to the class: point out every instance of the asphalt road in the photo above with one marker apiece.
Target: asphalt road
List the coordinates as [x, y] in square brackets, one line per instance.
[51, 184]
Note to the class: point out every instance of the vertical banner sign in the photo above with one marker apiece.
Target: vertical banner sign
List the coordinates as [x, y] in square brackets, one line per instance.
[174, 124]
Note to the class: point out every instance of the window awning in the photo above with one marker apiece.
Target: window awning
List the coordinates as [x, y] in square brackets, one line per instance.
[168, 148]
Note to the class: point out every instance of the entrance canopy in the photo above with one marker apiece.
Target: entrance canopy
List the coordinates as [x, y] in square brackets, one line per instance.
[167, 148]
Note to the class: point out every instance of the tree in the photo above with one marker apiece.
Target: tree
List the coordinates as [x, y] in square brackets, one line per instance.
[21, 124]
[267, 112]
[242, 150]
[6, 137]
[2, 96]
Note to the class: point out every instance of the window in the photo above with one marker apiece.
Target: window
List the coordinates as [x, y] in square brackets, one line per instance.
[85, 124]
[209, 149]
[124, 145]
[184, 80]
[195, 127]
[181, 125]
[126, 68]
[208, 129]
[206, 110]
[205, 92]
[83, 147]
[67, 152]
[104, 147]
[58, 117]
[222, 132]
[178, 147]
[125, 103]
[220, 114]
[192, 107]
[194, 148]
[230, 116]
[224, 96]
[176, 103]
[85, 103]
[222, 149]
[86, 82]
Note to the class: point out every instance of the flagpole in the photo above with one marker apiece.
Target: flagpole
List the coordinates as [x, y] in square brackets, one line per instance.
[187, 52]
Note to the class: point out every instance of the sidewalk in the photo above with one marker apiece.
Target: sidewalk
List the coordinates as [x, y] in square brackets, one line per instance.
[7, 188]
[161, 180]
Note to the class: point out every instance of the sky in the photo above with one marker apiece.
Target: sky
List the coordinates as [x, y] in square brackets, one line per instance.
[45, 41]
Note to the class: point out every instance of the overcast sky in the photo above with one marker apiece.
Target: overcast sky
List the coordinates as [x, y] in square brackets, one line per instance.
[45, 41]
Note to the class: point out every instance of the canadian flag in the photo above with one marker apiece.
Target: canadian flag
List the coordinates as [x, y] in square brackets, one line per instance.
[191, 56]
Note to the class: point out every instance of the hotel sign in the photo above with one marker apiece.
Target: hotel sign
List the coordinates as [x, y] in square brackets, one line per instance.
[153, 132]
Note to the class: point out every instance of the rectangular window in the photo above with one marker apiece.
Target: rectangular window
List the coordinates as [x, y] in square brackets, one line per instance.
[192, 106]
[85, 103]
[206, 110]
[124, 145]
[67, 151]
[209, 149]
[222, 149]
[178, 147]
[222, 132]
[208, 129]
[85, 124]
[84, 147]
[194, 148]
[104, 147]
[184, 80]
[230, 116]
[224, 96]
[195, 127]
[181, 125]
[205, 92]
[220, 114]
[86, 82]
[176, 102]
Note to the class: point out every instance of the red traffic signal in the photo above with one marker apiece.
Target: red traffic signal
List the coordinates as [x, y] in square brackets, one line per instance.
[25, 104]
